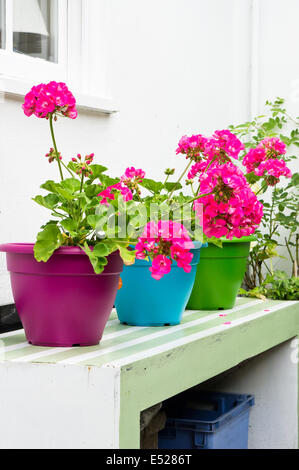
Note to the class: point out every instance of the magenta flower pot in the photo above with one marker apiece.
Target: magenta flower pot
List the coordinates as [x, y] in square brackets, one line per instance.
[62, 302]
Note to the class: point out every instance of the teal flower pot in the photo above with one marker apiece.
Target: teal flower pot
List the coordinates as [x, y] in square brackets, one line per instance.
[144, 301]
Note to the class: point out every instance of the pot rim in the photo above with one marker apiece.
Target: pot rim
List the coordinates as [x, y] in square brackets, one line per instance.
[197, 245]
[27, 248]
[249, 238]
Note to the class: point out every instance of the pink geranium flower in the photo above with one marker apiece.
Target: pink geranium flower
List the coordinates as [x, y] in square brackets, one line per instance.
[223, 145]
[109, 193]
[272, 170]
[161, 265]
[192, 146]
[230, 208]
[132, 178]
[266, 161]
[49, 99]
[132, 175]
[164, 242]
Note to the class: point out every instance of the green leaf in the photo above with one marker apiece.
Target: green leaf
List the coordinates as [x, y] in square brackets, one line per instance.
[215, 241]
[50, 186]
[128, 256]
[69, 225]
[107, 181]
[48, 240]
[98, 262]
[172, 186]
[153, 186]
[101, 249]
[50, 201]
[95, 219]
[64, 193]
[71, 184]
[97, 170]
[92, 190]
[56, 188]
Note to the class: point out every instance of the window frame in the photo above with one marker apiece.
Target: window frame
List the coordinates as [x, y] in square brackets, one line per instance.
[27, 68]
[19, 72]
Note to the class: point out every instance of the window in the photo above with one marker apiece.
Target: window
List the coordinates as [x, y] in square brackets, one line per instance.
[35, 28]
[43, 40]
[34, 39]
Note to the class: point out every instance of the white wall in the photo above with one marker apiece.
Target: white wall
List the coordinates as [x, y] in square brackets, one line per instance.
[277, 69]
[174, 67]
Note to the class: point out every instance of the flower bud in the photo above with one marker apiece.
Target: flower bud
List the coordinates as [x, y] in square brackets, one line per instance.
[169, 171]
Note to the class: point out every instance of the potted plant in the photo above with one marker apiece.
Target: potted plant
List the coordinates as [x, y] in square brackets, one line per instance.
[221, 205]
[278, 235]
[65, 285]
[226, 262]
[156, 288]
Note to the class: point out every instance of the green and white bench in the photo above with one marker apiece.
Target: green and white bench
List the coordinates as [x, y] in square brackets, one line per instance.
[92, 397]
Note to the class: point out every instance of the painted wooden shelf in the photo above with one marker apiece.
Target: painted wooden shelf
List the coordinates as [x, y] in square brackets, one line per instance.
[92, 397]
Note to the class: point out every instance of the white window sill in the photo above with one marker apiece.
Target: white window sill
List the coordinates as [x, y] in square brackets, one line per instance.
[17, 87]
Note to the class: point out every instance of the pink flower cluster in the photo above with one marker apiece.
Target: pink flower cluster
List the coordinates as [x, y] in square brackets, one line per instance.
[265, 160]
[48, 99]
[198, 167]
[132, 175]
[132, 178]
[230, 208]
[274, 147]
[222, 146]
[110, 192]
[128, 184]
[165, 241]
[192, 146]
[272, 170]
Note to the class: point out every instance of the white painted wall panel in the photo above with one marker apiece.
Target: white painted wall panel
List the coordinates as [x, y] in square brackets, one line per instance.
[37, 404]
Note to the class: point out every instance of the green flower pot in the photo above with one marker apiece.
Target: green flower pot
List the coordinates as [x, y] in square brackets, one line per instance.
[219, 275]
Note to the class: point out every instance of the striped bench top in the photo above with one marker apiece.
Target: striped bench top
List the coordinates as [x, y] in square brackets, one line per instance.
[122, 345]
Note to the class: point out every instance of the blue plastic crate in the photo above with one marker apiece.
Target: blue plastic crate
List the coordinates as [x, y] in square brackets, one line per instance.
[207, 420]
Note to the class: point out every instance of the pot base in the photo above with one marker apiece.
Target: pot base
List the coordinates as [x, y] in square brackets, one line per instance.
[211, 308]
[149, 324]
[61, 345]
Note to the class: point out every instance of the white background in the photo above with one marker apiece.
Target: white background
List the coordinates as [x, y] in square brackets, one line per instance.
[173, 67]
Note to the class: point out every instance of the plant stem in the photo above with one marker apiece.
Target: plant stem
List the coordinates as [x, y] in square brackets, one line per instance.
[55, 146]
[67, 169]
[82, 180]
[292, 119]
[166, 179]
[206, 168]
[184, 172]
[269, 270]
[188, 202]
[261, 189]
[289, 250]
[297, 250]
